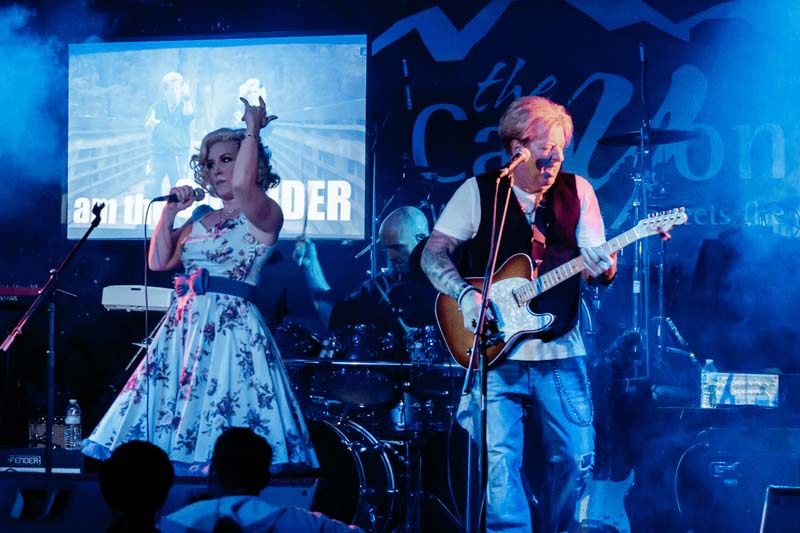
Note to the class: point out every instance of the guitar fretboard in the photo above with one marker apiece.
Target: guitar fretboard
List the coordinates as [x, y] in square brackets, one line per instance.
[525, 293]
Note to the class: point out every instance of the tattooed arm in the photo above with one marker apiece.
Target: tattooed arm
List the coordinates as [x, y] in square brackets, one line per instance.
[437, 263]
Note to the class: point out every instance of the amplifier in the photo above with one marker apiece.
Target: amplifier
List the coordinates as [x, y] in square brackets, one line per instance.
[37, 432]
[722, 477]
[32, 460]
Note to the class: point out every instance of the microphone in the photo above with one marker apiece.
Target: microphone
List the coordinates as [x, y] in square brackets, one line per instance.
[521, 155]
[198, 193]
[407, 85]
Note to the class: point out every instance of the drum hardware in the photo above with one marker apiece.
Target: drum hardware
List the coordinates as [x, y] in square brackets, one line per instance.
[329, 348]
[424, 345]
[408, 453]
[357, 482]
[360, 345]
[297, 340]
[639, 202]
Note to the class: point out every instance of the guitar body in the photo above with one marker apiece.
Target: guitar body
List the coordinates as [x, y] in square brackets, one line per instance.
[603, 506]
[514, 321]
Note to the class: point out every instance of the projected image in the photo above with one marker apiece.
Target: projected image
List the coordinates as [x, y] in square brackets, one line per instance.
[138, 111]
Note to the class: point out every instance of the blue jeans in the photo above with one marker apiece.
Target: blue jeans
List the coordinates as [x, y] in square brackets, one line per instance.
[557, 394]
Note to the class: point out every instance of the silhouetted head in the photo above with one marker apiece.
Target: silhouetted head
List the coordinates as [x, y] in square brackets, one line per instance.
[240, 463]
[135, 481]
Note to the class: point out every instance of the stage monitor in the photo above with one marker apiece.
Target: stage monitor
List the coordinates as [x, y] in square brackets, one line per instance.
[138, 111]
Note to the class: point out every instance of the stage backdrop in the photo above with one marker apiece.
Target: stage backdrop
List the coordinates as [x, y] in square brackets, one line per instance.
[722, 74]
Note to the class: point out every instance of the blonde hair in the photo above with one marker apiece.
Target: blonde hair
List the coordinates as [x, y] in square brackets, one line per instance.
[266, 177]
[525, 114]
[168, 79]
[252, 84]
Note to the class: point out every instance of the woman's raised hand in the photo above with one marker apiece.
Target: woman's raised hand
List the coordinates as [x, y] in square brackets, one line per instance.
[255, 116]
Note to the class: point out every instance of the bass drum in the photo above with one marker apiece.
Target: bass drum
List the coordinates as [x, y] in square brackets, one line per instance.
[357, 484]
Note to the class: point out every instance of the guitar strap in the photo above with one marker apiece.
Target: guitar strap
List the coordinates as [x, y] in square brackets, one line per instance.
[539, 225]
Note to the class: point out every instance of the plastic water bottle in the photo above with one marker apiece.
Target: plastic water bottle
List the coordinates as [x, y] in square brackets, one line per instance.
[72, 426]
[708, 385]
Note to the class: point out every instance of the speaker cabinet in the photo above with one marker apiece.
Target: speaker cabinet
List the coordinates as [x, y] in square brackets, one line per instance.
[781, 509]
[722, 476]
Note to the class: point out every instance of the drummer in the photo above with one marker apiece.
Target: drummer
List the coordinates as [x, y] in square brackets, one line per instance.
[399, 299]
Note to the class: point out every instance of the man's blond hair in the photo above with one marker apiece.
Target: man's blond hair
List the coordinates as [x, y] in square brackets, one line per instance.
[525, 114]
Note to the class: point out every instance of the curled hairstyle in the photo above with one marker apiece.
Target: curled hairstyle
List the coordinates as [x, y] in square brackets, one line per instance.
[524, 115]
[266, 177]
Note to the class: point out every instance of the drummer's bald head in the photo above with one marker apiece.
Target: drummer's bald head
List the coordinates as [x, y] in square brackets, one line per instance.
[408, 221]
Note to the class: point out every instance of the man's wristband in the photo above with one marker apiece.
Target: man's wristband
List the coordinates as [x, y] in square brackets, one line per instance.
[465, 289]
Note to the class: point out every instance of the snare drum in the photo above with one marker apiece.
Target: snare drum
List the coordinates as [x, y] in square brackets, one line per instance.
[357, 484]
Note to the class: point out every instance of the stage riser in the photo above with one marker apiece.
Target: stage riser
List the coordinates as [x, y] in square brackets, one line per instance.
[73, 503]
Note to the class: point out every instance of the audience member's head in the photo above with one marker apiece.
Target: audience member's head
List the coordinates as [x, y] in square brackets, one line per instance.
[240, 463]
[135, 482]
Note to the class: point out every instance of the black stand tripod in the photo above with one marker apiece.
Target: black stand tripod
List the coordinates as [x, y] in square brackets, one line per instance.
[48, 291]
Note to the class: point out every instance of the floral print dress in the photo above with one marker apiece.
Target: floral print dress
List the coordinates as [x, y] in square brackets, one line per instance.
[213, 364]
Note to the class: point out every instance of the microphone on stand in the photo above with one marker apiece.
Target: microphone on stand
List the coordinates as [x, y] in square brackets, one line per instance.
[198, 193]
[521, 155]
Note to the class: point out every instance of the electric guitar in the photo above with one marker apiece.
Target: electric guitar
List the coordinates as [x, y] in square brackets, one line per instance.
[515, 285]
[603, 505]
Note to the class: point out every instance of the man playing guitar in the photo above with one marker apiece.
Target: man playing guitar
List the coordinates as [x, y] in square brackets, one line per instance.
[546, 373]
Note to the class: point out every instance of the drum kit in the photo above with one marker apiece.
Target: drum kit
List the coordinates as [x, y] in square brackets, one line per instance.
[372, 402]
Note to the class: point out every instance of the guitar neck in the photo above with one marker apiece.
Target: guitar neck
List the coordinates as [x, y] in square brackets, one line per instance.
[547, 281]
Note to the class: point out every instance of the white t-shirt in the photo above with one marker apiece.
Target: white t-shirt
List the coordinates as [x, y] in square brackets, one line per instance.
[461, 218]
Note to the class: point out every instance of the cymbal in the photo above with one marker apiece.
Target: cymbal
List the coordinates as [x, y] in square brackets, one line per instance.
[634, 138]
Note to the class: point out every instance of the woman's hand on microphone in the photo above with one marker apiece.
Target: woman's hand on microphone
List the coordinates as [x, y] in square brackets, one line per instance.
[185, 195]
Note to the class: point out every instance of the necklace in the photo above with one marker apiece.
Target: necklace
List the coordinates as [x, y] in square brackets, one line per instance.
[228, 211]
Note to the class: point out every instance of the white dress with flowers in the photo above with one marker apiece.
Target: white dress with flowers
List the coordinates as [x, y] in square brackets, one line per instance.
[213, 364]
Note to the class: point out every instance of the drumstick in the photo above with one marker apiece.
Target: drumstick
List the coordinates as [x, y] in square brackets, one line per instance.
[302, 236]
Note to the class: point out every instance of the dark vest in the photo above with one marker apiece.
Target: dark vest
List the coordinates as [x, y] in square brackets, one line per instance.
[561, 211]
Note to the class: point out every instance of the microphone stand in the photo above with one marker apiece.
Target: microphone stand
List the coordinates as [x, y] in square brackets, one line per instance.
[48, 291]
[479, 346]
[373, 249]
[641, 265]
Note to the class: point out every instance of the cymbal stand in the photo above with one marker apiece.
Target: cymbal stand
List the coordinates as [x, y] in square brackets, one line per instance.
[413, 492]
[663, 323]
[645, 320]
